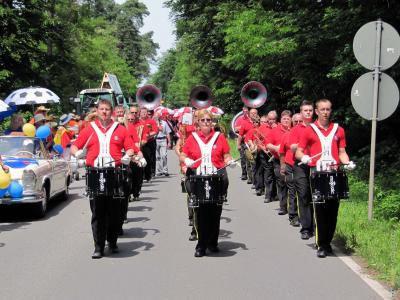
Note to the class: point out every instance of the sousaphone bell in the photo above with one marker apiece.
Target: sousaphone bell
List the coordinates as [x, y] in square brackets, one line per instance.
[148, 96]
[201, 97]
[254, 94]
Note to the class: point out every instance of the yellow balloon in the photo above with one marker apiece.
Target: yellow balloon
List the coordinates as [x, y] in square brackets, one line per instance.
[29, 130]
[5, 179]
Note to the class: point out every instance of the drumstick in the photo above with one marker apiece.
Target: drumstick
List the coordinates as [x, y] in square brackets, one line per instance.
[87, 142]
[301, 163]
[224, 167]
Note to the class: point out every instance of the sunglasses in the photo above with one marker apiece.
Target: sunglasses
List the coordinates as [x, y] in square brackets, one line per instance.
[297, 121]
[205, 120]
[131, 120]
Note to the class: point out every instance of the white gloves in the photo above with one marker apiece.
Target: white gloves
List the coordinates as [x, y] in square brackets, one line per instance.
[306, 159]
[125, 159]
[350, 166]
[142, 162]
[232, 164]
[189, 162]
[80, 154]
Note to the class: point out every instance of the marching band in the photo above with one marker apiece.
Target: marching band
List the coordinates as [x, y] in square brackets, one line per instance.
[294, 160]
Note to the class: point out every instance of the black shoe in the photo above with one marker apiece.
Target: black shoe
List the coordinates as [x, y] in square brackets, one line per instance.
[266, 200]
[113, 248]
[329, 249]
[249, 181]
[190, 222]
[97, 254]
[321, 252]
[295, 222]
[192, 237]
[166, 174]
[243, 177]
[305, 235]
[213, 249]
[282, 212]
[258, 192]
[199, 253]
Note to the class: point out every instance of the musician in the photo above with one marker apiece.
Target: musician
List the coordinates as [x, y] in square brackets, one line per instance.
[287, 159]
[253, 139]
[213, 145]
[163, 140]
[273, 141]
[243, 123]
[119, 114]
[301, 173]
[323, 134]
[104, 141]
[149, 149]
[138, 131]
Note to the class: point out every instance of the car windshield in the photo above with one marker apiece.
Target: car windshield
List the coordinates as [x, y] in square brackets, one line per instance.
[90, 99]
[16, 145]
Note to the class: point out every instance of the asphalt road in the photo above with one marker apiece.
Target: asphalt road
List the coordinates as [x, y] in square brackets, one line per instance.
[261, 257]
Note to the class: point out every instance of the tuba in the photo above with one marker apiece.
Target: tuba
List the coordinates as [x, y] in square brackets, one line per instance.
[201, 97]
[253, 94]
[148, 96]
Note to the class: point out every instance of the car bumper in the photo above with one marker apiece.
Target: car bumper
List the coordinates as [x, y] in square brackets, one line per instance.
[35, 198]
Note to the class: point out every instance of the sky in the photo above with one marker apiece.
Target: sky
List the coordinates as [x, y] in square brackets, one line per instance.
[160, 23]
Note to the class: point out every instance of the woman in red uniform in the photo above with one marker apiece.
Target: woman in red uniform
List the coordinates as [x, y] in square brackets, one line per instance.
[205, 152]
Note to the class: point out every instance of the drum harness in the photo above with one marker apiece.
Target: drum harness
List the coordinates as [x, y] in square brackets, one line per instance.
[325, 162]
[206, 166]
[104, 158]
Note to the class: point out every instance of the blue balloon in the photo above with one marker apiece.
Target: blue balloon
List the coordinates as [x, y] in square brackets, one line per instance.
[15, 189]
[3, 192]
[58, 148]
[43, 132]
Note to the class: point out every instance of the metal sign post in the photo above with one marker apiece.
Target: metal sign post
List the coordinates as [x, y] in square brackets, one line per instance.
[376, 46]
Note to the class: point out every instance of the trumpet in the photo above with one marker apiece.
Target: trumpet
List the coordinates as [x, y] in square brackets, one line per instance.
[260, 142]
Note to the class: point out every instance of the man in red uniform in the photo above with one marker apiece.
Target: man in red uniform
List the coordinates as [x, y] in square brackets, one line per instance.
[149, 149]
[243, 123]
[104, 141]
[273, 142]
[287, 161]
[301, 173]
[323, 134]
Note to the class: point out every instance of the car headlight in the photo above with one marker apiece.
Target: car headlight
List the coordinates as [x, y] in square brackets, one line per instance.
[29, 180]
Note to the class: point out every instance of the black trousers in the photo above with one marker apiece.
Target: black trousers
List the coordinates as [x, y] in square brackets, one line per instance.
[207, 216]
[281, 187]
[267, 172]
[136, 178]
[105, 220]
[302, 185]
[325, 221]
[292, 198]
[243, 159]
[149, 153]
[258, 174]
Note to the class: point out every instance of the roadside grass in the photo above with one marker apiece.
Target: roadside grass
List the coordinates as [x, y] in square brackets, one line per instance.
[234, 151]
[377, 242]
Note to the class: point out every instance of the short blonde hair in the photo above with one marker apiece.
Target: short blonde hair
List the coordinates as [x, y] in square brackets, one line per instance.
[204, 112]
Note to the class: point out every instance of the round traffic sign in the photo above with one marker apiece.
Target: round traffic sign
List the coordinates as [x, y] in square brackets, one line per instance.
[364, 45]
[362, 95]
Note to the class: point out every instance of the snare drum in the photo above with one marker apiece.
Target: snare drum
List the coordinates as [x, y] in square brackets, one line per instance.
[206, 189]
[329, 186]
[105, 181]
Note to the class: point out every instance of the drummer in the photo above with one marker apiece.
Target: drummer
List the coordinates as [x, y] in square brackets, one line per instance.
[214, 149]
[114, 138]
[323, 134]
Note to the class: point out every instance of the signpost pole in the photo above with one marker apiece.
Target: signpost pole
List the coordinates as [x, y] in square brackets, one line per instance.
[374, 117]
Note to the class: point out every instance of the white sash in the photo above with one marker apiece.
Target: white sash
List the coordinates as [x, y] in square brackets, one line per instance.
[206, 166]
[326, 161]
[104, 159]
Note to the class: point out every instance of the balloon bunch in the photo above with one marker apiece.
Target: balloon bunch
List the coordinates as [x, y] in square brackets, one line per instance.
[13, 188]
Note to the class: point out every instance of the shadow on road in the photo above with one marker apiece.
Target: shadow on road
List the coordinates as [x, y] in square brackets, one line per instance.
[148, 191]
[227, 249]
[147, 199]
[137, 232]
[226, 219]
[129, 249]
[139, 219]
[140, 208]
[224, 234]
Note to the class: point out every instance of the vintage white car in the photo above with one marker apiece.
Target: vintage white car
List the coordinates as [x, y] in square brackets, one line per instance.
[41, 175]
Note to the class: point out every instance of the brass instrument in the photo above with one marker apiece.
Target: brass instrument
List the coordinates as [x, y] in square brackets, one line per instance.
[253, 94]
[148, 96]
[182, 136]
[201, 97]
[261, 142]
[140, 134]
